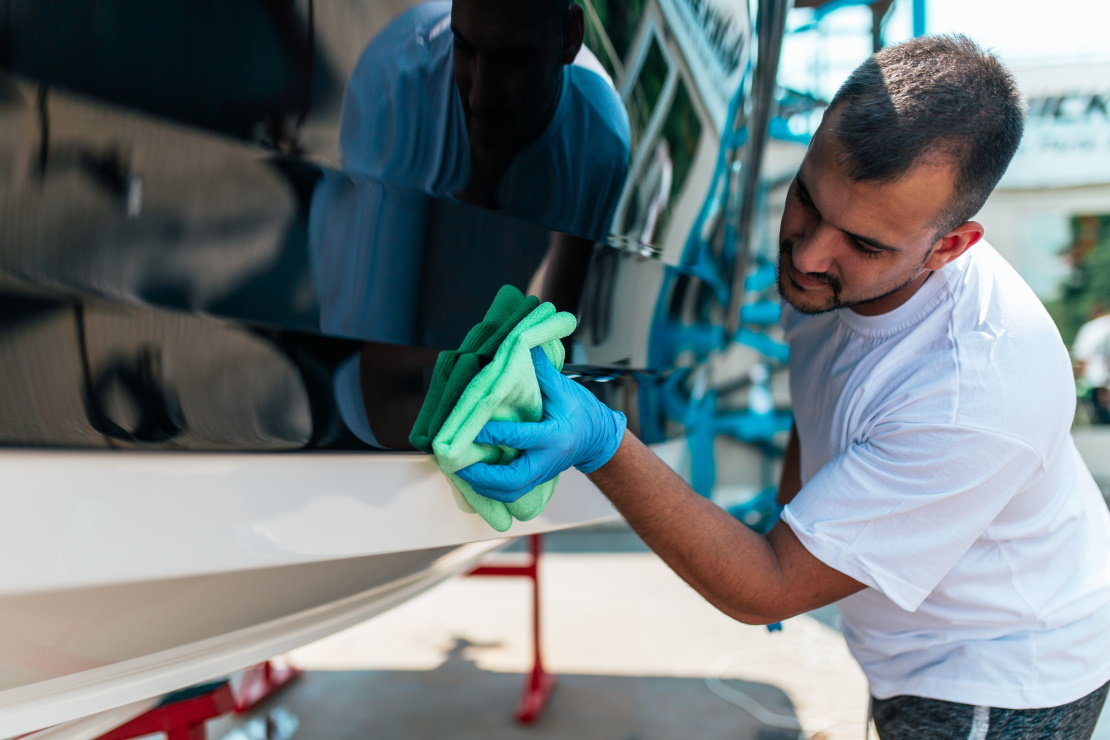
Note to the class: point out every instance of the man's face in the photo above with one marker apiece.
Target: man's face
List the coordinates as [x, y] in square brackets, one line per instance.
[857, 244]
[508, 63]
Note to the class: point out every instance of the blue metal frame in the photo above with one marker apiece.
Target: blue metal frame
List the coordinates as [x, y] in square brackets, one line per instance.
[919, 18]
[698, 410]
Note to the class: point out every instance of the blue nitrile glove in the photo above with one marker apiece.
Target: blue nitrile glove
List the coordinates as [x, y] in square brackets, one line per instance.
[577, 430]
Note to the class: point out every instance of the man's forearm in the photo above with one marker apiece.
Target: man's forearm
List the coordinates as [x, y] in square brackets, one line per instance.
[735, 569]
[750, 577]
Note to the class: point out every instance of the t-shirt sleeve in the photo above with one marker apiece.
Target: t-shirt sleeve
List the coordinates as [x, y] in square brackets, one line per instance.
[898, 510]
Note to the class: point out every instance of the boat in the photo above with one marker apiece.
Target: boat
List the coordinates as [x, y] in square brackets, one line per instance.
[218, 322]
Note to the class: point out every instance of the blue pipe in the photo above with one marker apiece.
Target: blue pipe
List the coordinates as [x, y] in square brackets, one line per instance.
[918, 18]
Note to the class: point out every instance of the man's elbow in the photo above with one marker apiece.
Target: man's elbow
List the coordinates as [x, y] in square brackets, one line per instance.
[760, 617]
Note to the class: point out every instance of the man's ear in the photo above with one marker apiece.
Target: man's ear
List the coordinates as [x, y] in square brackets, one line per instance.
[954, 243]
[574, 30]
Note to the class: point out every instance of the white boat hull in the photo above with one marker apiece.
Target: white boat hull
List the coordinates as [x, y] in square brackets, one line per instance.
[150, 572]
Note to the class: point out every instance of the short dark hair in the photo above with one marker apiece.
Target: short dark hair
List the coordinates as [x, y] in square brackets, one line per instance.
[931, 96]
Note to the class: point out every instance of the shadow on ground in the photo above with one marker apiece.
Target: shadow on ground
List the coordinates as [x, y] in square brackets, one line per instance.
[461, 701]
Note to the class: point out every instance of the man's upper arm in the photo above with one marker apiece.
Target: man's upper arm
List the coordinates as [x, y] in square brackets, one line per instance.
[811, 583]
[808, 582]
[790, 481]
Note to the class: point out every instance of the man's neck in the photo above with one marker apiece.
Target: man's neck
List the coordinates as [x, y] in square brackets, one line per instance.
[894, 299]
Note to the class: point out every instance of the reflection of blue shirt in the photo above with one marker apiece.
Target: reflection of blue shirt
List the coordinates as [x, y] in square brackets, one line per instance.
[403, 122]
[387, 261]
[366, 246]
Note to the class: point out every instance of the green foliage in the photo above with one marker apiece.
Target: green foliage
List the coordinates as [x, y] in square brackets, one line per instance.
[646, 91]
[682, 130]
[1086, 292]
[619, 20]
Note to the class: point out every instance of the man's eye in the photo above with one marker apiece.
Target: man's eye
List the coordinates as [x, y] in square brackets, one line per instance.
[865, 250]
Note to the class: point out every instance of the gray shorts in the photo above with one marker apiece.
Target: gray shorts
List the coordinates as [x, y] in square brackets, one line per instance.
[915, 718]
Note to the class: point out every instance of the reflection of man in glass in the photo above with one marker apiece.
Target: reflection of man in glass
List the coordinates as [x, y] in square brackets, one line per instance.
[495, 102]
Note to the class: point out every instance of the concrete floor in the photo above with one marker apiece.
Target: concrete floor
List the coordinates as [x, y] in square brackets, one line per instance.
[638, 655]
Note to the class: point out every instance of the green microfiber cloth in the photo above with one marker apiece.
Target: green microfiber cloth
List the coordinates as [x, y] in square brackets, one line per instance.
[455, 369]
[506, 390]
[434, 411]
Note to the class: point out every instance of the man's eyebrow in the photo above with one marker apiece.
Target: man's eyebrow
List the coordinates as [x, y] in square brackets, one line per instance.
[806, 198]
[503, 47]
[872, 242]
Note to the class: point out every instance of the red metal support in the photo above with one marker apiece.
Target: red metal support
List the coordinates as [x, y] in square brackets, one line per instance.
[181, 720]
[539, 684]
[260, 681]
[185, 719]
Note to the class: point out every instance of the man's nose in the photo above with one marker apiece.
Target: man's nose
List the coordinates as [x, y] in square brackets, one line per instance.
[816, 249]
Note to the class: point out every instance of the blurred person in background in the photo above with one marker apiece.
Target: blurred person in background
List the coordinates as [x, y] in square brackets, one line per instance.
[1091, 353]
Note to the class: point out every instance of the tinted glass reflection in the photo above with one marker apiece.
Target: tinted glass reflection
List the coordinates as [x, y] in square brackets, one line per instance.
[253, 226]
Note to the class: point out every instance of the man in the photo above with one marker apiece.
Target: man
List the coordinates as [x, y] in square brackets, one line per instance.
[931, 486]
[495, 102]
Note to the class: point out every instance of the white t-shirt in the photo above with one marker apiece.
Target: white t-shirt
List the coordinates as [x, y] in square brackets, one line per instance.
[938, 469]
[403, 122]
[1092, 346]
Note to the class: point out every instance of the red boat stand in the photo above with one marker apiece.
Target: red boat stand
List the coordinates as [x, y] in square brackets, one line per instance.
[260, 681]
[184, 718]
[179, 720]
[539, 684]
